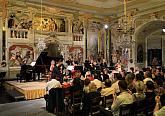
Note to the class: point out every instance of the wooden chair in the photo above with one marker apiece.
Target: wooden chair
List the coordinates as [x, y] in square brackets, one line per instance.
[76, 102]
[55, 102]
[107, 101]
[140, 107]
[126, 110]
[162, 99]
[150, 105]
[95, 106]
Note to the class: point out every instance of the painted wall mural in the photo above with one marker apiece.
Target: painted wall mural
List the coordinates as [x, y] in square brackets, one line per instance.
[20, 53]
[92, 45]
[50, 24]
[76, 53]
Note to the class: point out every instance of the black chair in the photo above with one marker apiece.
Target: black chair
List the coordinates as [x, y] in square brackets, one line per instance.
[55, 101]
[162, 99]
[150, 105]
[76, 102]
[95, 106]
[107, 101]
[126, 110]
[2, 75]
[140, 107]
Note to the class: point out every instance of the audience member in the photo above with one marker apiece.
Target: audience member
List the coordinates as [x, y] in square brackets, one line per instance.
[87, 99]
[107, 90]
[86, 85]
[139, 95]
[123, 98]
[53, 84]
[158, 111]
[115, 85]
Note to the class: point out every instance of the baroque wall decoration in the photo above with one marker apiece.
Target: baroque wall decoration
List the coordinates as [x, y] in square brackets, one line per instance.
[76, 53]
[49, 24]
[20, 53]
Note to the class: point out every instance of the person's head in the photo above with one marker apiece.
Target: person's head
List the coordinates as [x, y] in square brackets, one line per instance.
[86, 82]
[52, 62]
[122, 85]
[129, 78]
[139, 86]
[118, 76]
[107, 83]
[92, 87]
[139, 77]
[147, 74]
[150, 85]
[88, 73]
[76, 82]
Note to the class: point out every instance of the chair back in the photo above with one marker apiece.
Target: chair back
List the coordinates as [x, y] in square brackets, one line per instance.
[107, 101]
[162, 99]
[150, 105]
[95, 106]
[126, 110]
[56, 100]
[140, 107]
[76, 102]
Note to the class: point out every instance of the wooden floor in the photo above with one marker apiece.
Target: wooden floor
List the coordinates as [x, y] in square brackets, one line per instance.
[31, 90]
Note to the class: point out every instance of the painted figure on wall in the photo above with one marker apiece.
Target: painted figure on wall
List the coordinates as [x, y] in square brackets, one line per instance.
[20, 53]
[78, 27]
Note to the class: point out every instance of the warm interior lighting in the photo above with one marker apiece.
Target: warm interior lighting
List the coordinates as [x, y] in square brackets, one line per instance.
[163, 30]
[106, 26]
[126, 22]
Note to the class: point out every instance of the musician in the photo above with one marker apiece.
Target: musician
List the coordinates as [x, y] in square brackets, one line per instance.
[57, 73]
[25, 73]
[52, 67]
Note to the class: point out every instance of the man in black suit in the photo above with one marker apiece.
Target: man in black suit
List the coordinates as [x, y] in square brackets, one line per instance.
[58, 69]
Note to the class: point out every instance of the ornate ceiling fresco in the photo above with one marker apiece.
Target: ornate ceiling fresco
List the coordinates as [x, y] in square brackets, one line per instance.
[113, 8]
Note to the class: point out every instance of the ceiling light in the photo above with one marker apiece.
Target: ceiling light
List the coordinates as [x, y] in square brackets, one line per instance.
[106, 26]
[163, 30]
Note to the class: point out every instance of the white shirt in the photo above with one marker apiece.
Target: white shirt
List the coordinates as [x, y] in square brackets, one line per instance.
[53, 84]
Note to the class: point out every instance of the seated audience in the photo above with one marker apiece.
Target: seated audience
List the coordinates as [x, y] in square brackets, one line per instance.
[123, 98]
[158, 111]
[139, 95]
[86, 85]
[130, 81]
[53, 84]
[150, 93]
[89, 76]
[87, 99]
[97, 82]
[107, 90]
[147, 77]
[115, 85]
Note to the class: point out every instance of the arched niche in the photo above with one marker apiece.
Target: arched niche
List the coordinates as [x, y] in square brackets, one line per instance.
[141, 35]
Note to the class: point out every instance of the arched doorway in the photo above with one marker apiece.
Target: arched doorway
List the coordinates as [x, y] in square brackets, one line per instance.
[149, 43]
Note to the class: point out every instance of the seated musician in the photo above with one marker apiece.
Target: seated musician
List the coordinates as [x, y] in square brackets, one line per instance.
[23, 71]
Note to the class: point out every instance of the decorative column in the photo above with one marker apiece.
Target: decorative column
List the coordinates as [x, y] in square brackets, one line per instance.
[85, 34]
[1, 36]
[99, 41]
[70, 20]
[105, 44]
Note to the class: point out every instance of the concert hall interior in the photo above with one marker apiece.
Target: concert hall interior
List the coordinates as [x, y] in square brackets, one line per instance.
[82, 57]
